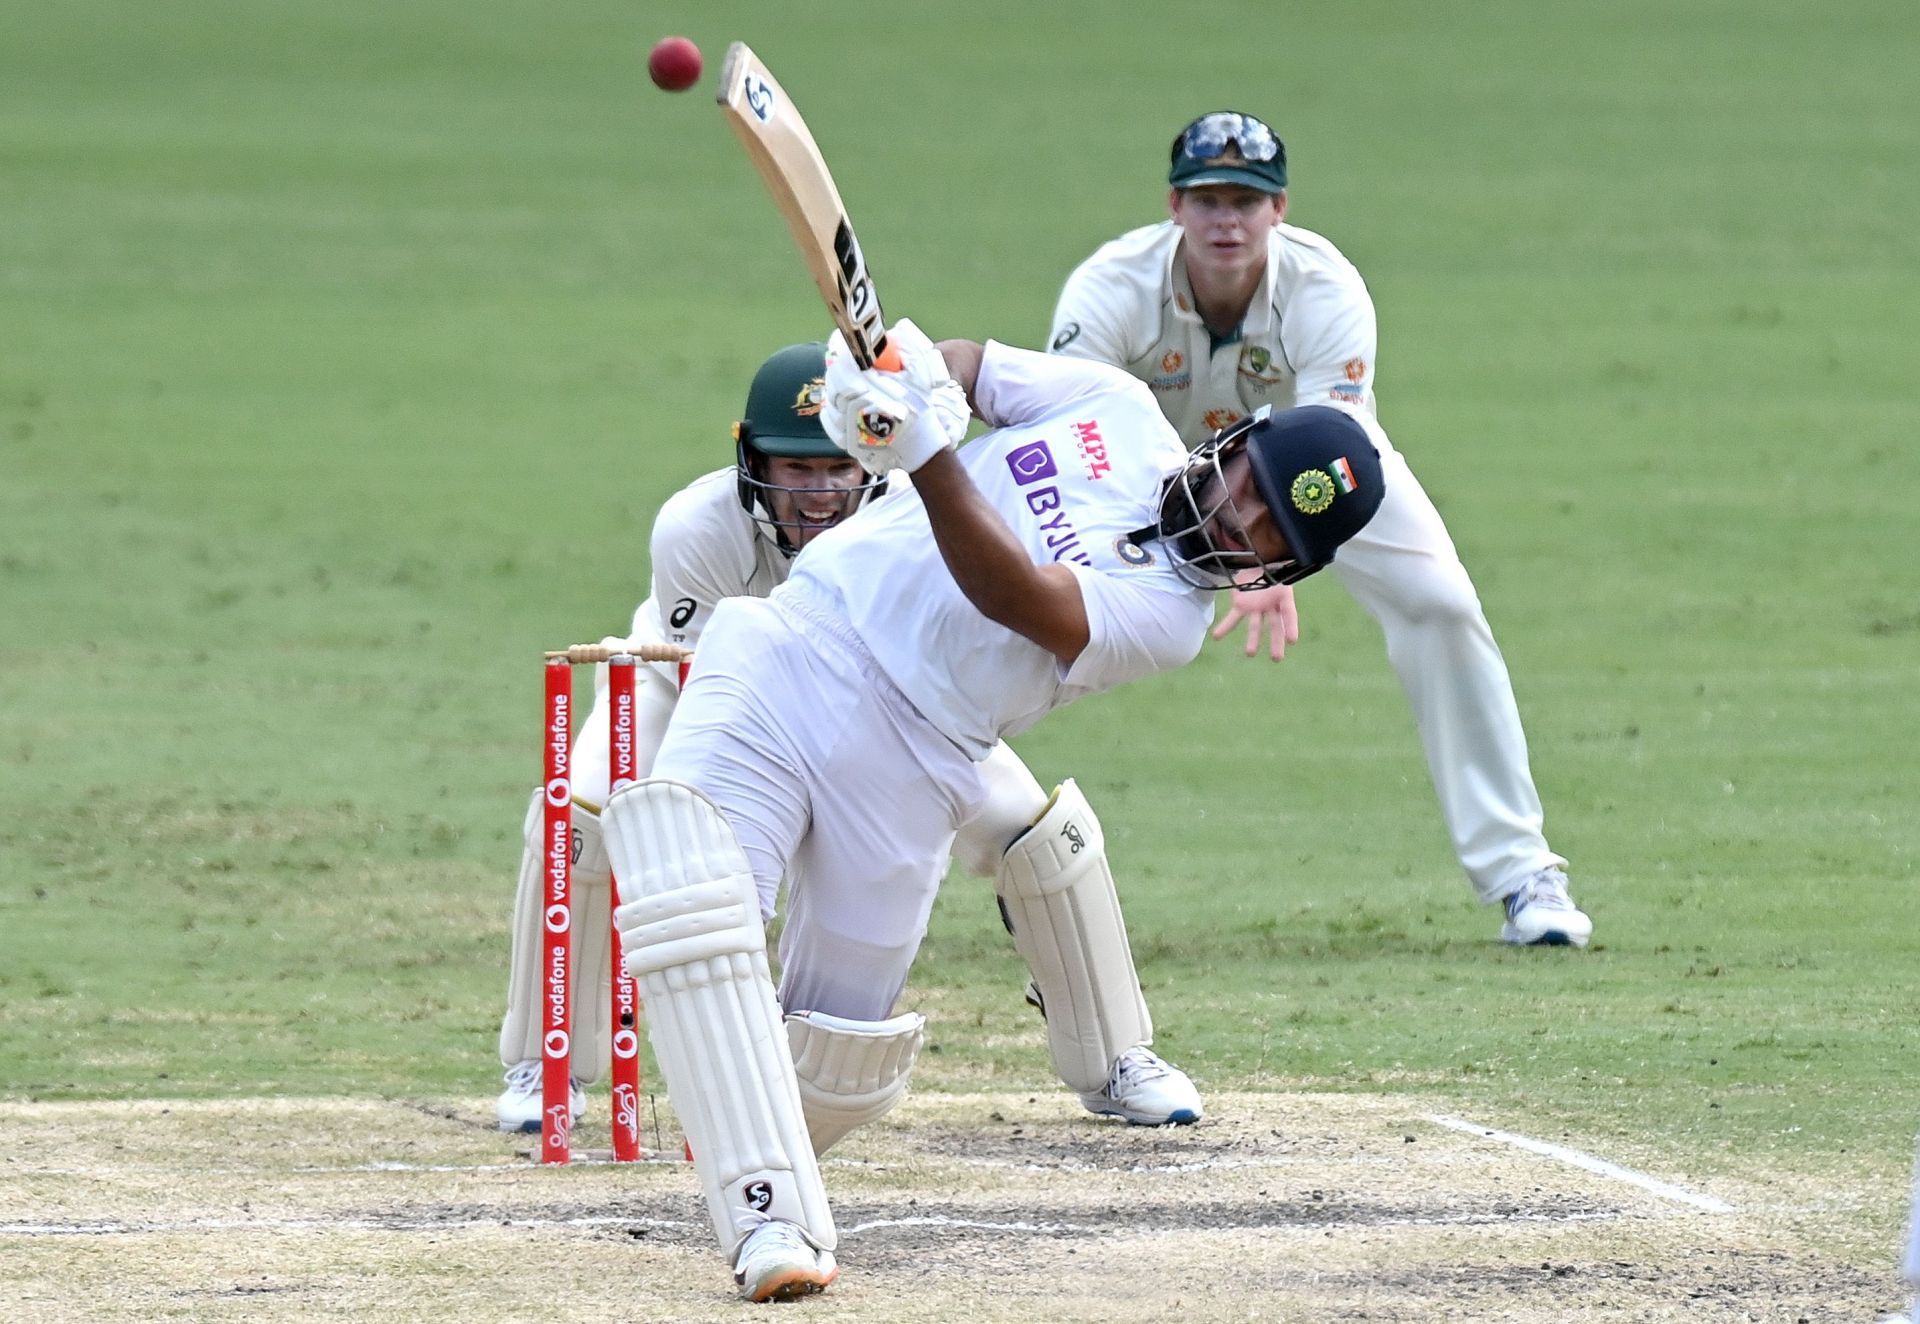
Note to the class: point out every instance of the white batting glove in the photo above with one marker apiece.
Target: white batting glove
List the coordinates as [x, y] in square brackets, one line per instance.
[893, 420]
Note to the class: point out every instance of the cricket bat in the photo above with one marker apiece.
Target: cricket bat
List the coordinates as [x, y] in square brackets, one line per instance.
[777, 139]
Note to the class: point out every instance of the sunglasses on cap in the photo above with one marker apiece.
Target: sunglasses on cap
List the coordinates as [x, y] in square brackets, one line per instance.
[1209, 136]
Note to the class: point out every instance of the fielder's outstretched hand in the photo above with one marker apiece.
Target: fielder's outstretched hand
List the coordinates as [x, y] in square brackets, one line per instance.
[1268, 609]
[893, 420]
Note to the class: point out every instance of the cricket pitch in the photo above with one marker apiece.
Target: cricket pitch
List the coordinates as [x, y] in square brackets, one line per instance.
[983, 1207]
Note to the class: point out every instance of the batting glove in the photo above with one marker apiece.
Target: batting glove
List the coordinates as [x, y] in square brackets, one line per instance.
[893, 420]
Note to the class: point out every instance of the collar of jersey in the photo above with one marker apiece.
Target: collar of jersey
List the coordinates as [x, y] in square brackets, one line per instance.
[1259, 315]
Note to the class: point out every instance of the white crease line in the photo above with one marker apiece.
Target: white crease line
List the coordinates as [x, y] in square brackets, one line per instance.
[118, 1171]
[1666, 1190]
[324, 1225]
[111, 1229]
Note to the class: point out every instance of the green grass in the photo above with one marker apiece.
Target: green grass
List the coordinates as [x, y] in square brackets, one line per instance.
[345, 353]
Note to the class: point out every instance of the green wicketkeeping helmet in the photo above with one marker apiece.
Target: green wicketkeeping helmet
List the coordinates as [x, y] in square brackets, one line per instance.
[783, 405]
[783, 421]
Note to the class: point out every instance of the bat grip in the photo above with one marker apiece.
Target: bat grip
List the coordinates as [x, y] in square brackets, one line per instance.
[886, 357]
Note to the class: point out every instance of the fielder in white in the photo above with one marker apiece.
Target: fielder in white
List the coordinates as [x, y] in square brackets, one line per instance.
[1225, 308]
[735, 533]
[832, 735]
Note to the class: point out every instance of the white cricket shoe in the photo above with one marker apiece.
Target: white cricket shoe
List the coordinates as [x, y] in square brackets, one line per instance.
[1541, 914]
[776, 1262]
[1147, 1091]
[518, 1107]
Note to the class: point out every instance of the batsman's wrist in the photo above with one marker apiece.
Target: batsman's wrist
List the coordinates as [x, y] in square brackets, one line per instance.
[919, 441]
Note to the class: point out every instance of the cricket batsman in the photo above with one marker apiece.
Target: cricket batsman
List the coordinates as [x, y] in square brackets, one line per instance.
[835, 734]
[1224, 308]
[735, 533]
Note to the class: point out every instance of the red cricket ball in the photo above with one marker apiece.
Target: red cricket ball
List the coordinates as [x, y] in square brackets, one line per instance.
[674, 64]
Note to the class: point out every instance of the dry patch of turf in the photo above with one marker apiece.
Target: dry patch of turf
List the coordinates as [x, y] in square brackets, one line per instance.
[988, 1207]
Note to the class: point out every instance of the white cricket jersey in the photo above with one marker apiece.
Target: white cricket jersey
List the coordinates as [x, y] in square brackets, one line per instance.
[1077, 462]
[705, 548]
[1307, 338]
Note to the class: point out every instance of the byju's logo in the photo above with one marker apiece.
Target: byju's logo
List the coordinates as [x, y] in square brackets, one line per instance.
[1031, 463]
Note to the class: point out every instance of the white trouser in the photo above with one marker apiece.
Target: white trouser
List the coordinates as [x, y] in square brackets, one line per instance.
[827, 776]
[1015, 800]
[1403, 569]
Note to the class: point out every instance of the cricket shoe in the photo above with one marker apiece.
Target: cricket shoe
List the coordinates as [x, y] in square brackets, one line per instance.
[1541, 914]
[776, 1262]
[518, 1107]
[1147, 1091]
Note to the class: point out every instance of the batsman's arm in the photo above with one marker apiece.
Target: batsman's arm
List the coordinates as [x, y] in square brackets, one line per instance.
[963, 361]
[1040, 602]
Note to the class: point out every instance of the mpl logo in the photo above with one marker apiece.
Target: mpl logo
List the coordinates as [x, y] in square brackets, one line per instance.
[759, 97]
[1092, 449]
[1031, 462]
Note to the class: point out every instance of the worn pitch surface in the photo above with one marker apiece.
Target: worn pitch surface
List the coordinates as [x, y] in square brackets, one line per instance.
[990, 1207]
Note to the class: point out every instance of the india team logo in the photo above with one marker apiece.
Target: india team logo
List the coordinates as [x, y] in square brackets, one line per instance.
[1312, 492]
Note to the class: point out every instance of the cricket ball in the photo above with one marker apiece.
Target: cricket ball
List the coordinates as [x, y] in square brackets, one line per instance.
[674, 64]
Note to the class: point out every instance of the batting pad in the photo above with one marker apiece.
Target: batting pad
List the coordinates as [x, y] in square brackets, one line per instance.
[1056, 892]
[851, 1072]
[592, 969]
[694, 942]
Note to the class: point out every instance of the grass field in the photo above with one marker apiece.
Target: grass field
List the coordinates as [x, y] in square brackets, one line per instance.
[347, 349]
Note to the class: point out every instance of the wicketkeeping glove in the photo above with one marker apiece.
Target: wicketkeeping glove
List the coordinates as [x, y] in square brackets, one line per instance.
[893, 420]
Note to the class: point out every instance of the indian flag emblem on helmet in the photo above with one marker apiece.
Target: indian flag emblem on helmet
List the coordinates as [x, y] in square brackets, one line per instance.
[1313, 492]
[1343, 475]
[812, 395]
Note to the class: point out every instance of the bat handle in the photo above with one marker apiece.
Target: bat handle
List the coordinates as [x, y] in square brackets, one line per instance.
[886, 357]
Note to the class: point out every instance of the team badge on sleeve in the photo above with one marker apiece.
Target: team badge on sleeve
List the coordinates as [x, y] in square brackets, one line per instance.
[1131, 552]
